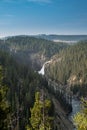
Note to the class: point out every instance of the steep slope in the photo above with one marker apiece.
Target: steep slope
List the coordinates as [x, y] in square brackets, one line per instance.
[30, 49]
[22, 84]
[70, 67]
[61, 121]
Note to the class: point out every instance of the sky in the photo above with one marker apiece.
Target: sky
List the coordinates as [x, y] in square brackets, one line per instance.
[28, 17]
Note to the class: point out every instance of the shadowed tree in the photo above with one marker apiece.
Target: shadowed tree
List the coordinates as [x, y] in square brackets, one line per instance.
[4, 107]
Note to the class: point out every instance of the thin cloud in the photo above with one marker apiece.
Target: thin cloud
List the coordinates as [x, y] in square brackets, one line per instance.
[37, 1]
[6, 15]
[12, 1]
[40, 1]
[9, 15]
[8, 0]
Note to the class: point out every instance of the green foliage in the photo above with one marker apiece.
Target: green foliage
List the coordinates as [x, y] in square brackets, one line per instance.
[40, 118]
[22, 82]
[35, 45]
[80, 118]
[36, 113]
[70, 67]
[30, 50]
[4, 107]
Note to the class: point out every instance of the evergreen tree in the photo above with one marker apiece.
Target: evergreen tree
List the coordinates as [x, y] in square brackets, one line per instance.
[40, 118]
[4, 107]
[69, 67]
[80, 118]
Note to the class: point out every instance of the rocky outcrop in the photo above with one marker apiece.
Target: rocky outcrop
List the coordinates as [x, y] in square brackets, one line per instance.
[74, 80]
[61, 121]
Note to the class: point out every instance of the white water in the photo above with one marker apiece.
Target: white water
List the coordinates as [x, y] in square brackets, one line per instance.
[75, 109]
[75, 102]
[42, 72]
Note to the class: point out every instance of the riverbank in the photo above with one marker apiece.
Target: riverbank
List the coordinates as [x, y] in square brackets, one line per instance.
[75, 109]
[67, 122]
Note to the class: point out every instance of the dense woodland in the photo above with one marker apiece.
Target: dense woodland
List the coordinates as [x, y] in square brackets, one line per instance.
[22, 83]
[4, 106]
[31, 50]
[70, 67]
[19, 77]
[19, 82]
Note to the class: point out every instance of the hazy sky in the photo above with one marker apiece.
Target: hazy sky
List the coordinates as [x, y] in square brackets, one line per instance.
[43, 17]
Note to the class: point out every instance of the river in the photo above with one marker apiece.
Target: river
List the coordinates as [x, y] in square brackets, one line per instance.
[75, 109]
[75, 101]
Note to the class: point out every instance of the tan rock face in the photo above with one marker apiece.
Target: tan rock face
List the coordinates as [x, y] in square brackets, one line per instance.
[80, 81]
[74, 80]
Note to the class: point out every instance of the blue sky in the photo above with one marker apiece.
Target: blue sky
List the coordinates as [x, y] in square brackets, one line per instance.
[19, 17]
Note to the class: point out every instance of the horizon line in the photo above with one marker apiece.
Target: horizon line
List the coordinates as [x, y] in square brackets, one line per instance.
[38, 34]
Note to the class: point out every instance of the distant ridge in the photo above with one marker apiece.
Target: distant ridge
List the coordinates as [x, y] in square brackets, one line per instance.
[55, 37]
[62, 38]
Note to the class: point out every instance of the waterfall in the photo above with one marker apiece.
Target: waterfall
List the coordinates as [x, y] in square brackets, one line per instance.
[75, 102]
[42, 71]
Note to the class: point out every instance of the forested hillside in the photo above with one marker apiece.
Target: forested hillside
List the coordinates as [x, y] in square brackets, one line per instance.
[22, 83]
[20, 56]
[70, 67]
[63, 37]
[31, 50]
